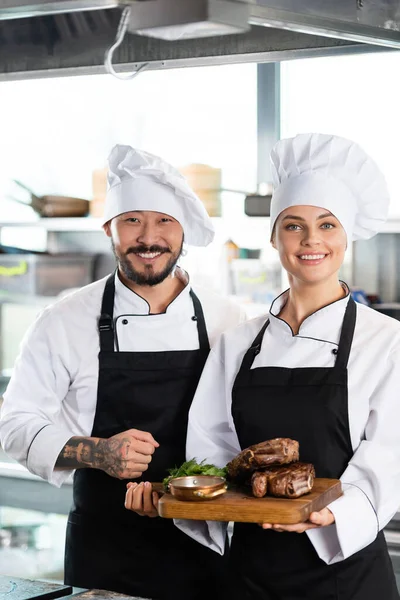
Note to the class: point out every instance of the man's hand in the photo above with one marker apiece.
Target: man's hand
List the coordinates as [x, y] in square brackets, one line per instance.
[141, 499]
[124, 456]
[323, 518]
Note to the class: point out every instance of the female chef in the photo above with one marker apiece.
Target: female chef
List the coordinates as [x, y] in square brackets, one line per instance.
[322, 370]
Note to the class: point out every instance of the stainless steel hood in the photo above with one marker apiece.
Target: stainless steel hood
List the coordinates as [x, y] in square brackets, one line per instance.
[370, 21]
[17, 9]
[50, 37]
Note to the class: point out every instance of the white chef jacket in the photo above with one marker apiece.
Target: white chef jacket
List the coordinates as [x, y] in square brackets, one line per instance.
[52, 393]
[371, 482]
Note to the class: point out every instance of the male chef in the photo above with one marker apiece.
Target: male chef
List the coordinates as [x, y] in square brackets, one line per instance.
[104, 382]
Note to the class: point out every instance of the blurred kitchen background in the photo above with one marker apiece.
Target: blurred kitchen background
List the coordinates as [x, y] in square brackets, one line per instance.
[215, 123]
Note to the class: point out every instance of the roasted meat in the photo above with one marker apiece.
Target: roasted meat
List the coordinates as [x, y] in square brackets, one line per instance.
[289, 481]
[259, 483]
[278, 451]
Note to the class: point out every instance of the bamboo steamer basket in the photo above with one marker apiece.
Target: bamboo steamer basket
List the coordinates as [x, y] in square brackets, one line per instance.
[205, 181]
[99, 191]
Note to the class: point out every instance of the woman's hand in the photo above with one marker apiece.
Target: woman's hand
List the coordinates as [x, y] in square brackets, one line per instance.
[141, 499]
[323, 518]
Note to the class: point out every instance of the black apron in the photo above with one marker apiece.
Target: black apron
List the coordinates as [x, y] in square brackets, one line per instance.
[112, 548]
[309, 405]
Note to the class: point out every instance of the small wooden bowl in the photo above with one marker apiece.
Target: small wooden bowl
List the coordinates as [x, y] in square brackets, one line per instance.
[197, 487]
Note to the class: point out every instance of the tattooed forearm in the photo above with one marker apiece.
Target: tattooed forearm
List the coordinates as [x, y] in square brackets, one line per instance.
[110, 455]
[78, 452]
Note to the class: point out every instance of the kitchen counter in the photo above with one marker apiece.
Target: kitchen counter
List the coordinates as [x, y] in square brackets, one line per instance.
[101, 595]
[21, 489]
[15, 588]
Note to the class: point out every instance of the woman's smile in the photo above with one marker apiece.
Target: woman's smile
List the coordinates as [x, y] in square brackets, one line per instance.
[311, 259]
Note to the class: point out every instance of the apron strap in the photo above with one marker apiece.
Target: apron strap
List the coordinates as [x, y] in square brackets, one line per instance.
[345, 342]
[254, 349]
[346, 335]
[106, 323]
[201, 324]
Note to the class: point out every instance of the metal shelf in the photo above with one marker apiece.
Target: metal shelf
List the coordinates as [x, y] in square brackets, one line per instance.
[391, 226]
[59, 224]
[72, 223]
[94, 224]
[386, 306]
[21, 489]
[11, 298]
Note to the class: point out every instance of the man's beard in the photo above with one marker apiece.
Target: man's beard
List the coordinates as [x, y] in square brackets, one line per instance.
[148, 277]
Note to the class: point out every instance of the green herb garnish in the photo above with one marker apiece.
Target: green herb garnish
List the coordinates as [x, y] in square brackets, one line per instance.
[192, 467]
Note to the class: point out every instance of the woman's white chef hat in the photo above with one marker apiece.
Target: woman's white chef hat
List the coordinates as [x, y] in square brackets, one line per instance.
[333, 173]
[138, 180]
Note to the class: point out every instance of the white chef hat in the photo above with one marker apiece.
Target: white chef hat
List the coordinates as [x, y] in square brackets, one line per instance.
[139, 180]
[333, 173]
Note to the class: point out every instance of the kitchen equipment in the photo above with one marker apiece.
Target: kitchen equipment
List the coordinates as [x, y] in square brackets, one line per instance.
[238, 505]
[195, 488]
[256, 280]
[257, 205]
[179, 19]
[53, 205]
[44, 274]
[15, 250]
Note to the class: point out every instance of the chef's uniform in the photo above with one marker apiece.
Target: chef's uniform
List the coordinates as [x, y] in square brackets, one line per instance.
[333, 386]
[150, 391]
[98, 363]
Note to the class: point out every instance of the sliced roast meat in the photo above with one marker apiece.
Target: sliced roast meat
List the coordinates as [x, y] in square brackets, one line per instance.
[290, 481]
[278, 451]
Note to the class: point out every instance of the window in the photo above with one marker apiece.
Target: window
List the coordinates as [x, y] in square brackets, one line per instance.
[353, 96]
[57, 131]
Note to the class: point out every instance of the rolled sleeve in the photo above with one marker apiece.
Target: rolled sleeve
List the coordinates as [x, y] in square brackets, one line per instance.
[43, 453]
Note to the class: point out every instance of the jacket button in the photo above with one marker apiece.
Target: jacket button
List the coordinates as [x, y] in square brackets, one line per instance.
[335, 351]
[194, 318]
[124, 321]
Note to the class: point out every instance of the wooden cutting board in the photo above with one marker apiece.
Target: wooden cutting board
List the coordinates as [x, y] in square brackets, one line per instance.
[14, 588]
[240, 506]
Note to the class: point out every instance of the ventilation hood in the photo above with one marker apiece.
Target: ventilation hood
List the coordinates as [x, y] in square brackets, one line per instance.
[54, 37]
[17, 9]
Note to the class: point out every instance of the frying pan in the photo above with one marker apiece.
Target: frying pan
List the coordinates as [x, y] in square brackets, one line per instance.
[54, 206]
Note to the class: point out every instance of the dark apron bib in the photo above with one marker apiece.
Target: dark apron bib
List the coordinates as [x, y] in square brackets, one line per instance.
[107, 546]
[309, 405]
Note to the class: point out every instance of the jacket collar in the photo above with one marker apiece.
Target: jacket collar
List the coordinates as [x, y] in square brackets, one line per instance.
[129, 302]
[324, 324]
